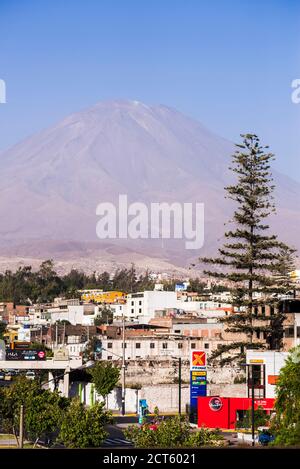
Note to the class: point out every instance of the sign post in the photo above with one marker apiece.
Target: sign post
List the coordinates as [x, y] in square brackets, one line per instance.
[198, 378]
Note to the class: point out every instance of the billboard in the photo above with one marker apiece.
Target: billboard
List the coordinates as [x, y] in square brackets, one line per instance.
[25, 355]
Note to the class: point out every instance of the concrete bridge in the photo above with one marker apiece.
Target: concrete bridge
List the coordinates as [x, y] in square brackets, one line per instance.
[50, 364]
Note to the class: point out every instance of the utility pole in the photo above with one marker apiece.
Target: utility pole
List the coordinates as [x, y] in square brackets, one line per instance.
[252, 406]
[21, 428]
[179, 386]
[64, 334]
[123, 365]
[56, 335]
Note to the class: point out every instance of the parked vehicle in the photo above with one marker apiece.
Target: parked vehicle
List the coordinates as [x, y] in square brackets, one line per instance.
[265, 436]
[30, 375]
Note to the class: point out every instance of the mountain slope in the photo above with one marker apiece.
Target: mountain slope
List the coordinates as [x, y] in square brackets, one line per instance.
[52, 182]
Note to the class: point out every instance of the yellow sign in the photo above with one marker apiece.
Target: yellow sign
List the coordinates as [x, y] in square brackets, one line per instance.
[256, 360]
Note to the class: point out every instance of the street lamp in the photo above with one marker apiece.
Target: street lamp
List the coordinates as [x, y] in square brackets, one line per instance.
[123, 373]
[179, 383]
[251, 380]
[123, 365]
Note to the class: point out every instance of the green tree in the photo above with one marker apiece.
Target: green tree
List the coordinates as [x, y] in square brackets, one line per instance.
[84, 427]
[74, 280]
[44, 414]
[125, 280]
[196, 285]
[49, 284]
[252, 257]
[43, 409]
[105, 317]
[2, 329]
[104, 281]
[105, 376]
[174, 432]
[286, 425]
[144, 282]
[260, 419]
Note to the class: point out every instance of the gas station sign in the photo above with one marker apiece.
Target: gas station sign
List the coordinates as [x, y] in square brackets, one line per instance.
[198, 377]
[198, 359]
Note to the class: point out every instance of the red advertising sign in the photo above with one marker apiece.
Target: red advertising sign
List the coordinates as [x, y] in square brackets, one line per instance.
[198, 359]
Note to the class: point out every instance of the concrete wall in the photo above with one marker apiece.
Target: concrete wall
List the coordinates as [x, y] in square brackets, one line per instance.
[165, 397]
[165, 371]
[273, 362]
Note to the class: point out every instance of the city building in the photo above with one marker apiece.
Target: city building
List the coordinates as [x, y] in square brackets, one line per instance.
[103, 297]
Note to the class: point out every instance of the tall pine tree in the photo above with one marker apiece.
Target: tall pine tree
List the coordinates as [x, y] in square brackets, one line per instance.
[253, 261]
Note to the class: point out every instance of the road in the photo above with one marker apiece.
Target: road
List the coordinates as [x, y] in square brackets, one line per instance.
[116, 437]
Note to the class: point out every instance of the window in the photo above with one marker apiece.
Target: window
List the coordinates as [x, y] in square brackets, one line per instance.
[179, 345]
[258, 374]
[140, 303]
[138, 356]
[137, 345]
[132, 311]
[193, 345]
[152, 345]
[289, 332]
[206, 345]
[109, 344]
[140, 310]
[109, 357]
[263, 310]
[164, 345]
[125, 345]
[177, 331]
[257, 334]
[132, 303]
[271, 310]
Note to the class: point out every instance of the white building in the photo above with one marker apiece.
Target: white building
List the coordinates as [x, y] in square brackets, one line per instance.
[141, 307]
[78, 314]
[74, 346]
[144, 347]
[268, 365]
[144, 306]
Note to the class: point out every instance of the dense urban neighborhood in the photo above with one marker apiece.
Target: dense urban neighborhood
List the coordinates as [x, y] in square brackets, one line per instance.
[148, 338]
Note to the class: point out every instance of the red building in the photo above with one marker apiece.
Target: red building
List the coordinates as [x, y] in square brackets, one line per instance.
[224, 412]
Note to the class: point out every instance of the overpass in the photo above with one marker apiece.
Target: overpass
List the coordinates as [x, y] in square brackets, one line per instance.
[49, 364]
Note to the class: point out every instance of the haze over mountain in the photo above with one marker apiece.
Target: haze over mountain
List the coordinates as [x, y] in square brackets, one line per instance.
[52, 182]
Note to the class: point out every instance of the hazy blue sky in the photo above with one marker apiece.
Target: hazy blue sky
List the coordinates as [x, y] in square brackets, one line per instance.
[228, 63]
